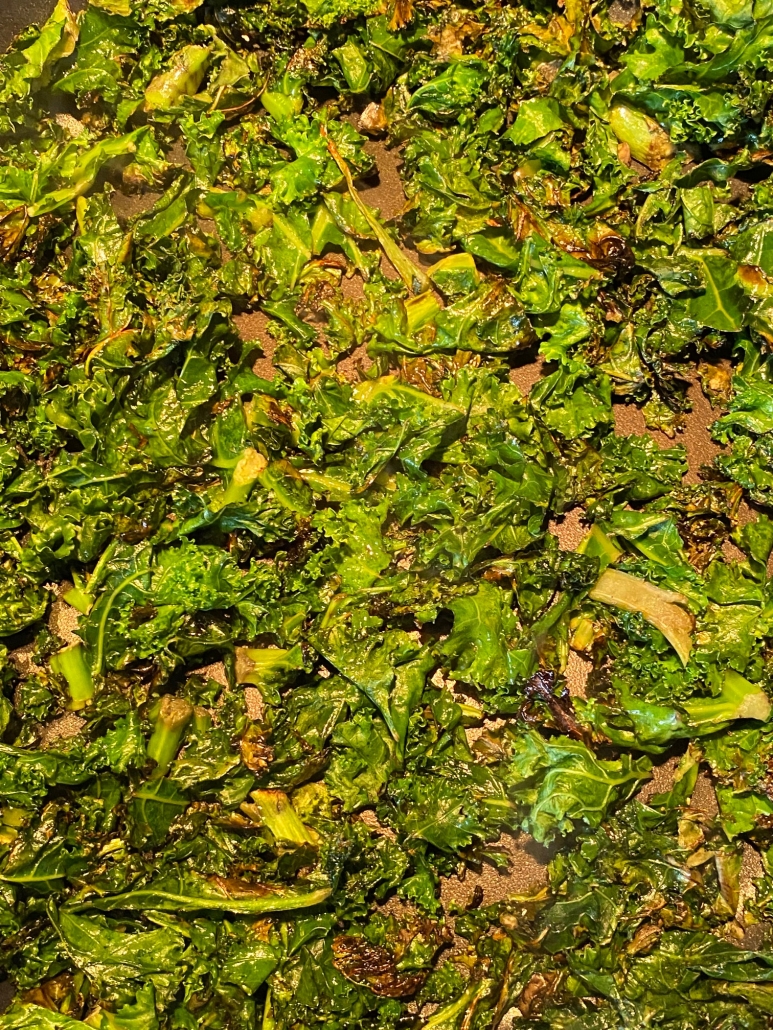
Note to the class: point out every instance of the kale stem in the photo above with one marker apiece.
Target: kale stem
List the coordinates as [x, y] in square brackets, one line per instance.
[72, 665]
[99, 569]
[173, 716]
[245, 475]
[81, 596]
[103, 619]
[447, 1015]
[274, 810]
[78, 597]
[202, 720]
[414, 277]
[269, 1022]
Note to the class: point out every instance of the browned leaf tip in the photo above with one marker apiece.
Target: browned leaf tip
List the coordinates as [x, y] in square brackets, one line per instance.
[372, 966]
[541, 687]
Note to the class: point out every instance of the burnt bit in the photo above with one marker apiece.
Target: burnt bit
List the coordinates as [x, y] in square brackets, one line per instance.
[427, 373]
[55, 994]
[604, 249]
[476, 898]
[295, 552]
[372, 966]
[233, 887]
[133, 531]
[717, 380]
[142, 613]
[539, 990]
[706, 512]
[542, 688]
[256, 753]
[402, 12]
[611, 253]
[278, 414]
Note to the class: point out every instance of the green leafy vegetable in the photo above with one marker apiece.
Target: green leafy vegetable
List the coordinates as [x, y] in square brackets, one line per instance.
[306, 605]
